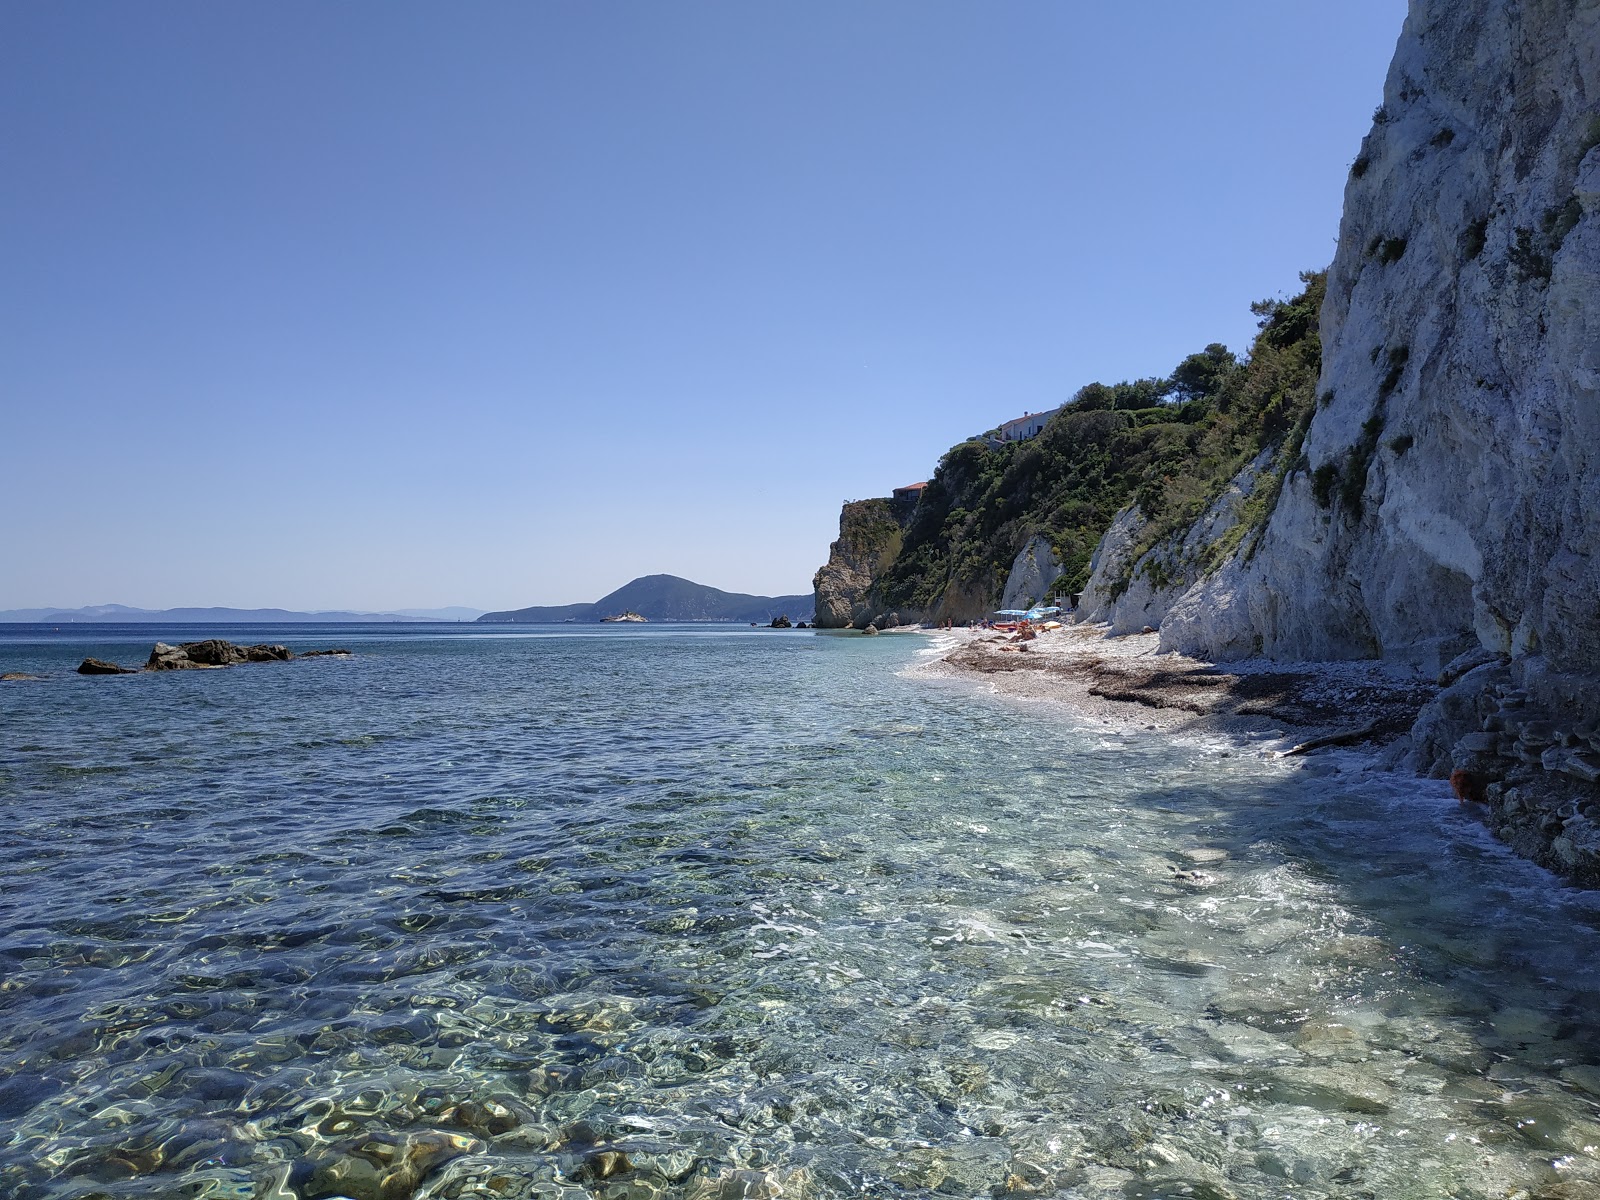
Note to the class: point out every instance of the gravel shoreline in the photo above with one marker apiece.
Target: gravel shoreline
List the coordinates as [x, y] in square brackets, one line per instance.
[1125, 682]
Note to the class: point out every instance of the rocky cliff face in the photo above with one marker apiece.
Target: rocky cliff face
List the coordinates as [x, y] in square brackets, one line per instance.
[1131, 591]
[1447, 505]
[1033, 572]
[1449, 496]
[870, 533]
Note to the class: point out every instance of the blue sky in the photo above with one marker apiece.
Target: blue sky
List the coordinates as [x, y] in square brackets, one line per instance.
[369, 305]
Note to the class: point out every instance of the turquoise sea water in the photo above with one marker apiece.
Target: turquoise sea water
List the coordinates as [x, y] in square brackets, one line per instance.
[716, 912]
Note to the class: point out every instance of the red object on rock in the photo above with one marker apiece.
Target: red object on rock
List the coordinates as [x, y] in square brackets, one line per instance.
[1466, 786]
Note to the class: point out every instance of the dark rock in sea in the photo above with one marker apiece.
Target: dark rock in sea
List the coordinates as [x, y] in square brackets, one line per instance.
[19, 677]
[214, 652]
[167, 658]
[266, 653]
[802, 625]
[98, 666]
[324, 653]
[871, 631]
[781, 622]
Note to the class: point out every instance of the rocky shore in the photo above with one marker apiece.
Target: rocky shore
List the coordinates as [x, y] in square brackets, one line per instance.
[1520, 744]
[1125, 681]
[1483, 723]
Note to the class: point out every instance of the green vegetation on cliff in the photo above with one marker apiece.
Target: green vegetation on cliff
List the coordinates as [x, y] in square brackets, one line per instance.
[1170, 445]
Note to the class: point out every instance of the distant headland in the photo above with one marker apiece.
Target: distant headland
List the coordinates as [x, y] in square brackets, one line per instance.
[665, 598]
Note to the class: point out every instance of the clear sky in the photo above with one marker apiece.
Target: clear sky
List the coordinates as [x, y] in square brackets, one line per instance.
[377, 304]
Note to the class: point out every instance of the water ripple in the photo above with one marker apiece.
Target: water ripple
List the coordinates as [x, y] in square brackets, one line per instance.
[708, 915]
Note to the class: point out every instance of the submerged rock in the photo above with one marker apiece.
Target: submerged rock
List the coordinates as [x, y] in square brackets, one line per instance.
[379, 1166]
[20, 677]
[1333, 1088]
[99, 666]
[484, 1118]
[751, 1185]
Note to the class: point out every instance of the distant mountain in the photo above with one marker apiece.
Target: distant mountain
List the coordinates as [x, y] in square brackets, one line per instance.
[666, 598]
[454, 613]
[122, 614]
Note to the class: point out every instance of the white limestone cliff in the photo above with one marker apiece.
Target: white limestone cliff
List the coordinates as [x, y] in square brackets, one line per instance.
[1133, 595]
[1449, 493]
[1033, 571]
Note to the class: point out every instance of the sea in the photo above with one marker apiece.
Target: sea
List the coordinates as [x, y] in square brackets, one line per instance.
[714, 912]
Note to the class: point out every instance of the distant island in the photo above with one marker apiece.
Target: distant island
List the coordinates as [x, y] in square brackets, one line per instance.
[121, 614]
[664, 598]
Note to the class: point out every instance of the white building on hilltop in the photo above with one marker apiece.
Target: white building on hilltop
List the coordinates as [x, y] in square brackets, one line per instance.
[1020, 429]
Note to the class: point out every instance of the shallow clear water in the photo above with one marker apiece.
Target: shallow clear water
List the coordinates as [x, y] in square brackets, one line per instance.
[756, 910]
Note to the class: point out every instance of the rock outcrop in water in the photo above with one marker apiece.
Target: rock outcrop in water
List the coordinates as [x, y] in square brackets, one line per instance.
[213, 652]
[99, 666]
[208, 654]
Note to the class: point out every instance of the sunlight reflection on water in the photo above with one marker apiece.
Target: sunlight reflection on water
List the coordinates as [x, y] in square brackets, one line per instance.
[711, 914]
